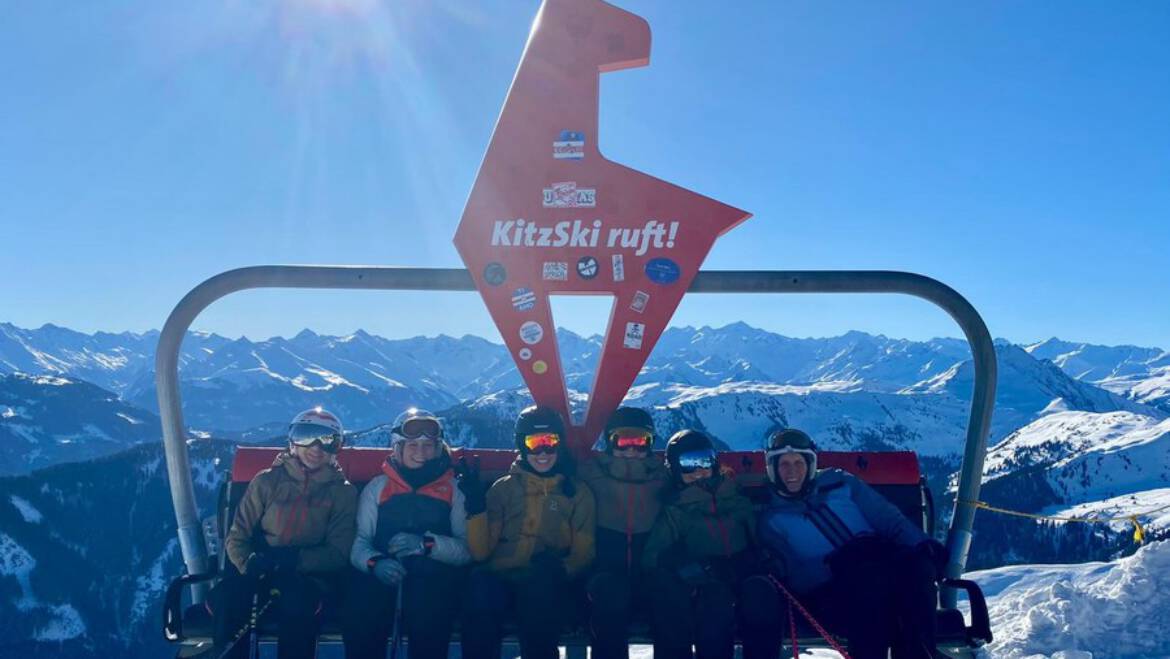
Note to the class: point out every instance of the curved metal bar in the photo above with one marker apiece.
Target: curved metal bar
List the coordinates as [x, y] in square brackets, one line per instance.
[982, 354]
[166, 362]
[448, 279]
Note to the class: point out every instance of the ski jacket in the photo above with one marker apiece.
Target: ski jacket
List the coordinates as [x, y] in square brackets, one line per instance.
[801, 532]
[313, 511]
[702, 526]
[528, 514]
[628, 494]
[390, 505]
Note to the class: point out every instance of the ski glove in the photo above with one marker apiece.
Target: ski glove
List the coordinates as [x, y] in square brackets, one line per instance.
[258, 565]
[402, 545]
[389, 571]
[937, 554]
[474, 492]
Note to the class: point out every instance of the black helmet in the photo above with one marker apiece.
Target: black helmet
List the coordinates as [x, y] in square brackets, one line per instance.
[628, 417]
[535, 419]
[789, 440]
[694, 443]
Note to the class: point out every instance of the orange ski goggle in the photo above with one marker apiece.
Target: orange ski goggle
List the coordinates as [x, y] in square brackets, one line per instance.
[542, 442]
[631, 438]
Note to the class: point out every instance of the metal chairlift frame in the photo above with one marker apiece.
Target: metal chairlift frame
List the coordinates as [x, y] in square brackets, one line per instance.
[191, 538]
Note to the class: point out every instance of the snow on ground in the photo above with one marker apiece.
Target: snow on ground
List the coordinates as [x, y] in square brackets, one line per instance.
[15, 561]
[150, 586]
[1128, 504]
[64, 623]
[26, 510]
[1089, 610]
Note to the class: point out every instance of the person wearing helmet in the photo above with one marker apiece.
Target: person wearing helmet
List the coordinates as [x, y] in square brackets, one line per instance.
[411, 534]
[292, 531]
[533, 529]
[627, 482]
[699, 552]
[850, 556]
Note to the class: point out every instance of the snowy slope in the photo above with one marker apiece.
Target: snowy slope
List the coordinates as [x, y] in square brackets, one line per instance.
[1085, 611]
[1088, 457]
[45, 420]
[1142, 374]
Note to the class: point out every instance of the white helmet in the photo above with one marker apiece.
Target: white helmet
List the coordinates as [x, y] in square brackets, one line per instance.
[790, 440]
[415, 423]
[316, 425]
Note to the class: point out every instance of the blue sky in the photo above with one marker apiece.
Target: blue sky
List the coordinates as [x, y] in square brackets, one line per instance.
[1018, 151]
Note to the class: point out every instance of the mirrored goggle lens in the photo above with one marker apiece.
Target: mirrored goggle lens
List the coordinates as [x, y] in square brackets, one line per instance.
[306, 434]
[696, 460]
[415, 428]
[633, 439]
[544, 440]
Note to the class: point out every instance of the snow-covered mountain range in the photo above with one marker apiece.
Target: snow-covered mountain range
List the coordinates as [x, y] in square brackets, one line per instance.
[1067, 437]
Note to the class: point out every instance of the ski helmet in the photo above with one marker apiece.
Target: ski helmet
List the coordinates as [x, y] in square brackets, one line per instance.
[415, 423]
[316, 425]
[632, 421]
[535, 421]
[789, 440]
[688, 450]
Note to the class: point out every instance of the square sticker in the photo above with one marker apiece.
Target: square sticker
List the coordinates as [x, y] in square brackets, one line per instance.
[555, 271]
[634, 334]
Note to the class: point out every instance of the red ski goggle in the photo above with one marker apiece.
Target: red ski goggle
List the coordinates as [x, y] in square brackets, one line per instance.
[542, 442]
[631, 438]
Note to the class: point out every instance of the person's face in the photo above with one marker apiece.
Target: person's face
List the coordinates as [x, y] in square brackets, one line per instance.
[311, 456]
[695, 476]
[793, 470]
[543, 461]
[414, 453]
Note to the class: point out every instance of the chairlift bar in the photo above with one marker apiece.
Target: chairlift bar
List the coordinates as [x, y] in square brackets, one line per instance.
[191, 540]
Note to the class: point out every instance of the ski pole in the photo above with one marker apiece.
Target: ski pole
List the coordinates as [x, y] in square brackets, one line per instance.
[397, 631]
[252, 625]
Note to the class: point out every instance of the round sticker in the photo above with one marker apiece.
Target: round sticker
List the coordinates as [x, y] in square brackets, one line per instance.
[539, 367]
[531, 332]
[587, 267]
[494, 273]
[525, 354]
[523, 299]
[662, 271]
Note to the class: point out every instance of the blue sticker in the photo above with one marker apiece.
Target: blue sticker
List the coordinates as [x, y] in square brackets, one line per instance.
[662, 271]
[569, 145]
[523, 299]
[495, 274]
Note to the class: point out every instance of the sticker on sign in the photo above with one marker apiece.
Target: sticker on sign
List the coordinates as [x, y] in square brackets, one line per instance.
[638, 304]
[531, 332]
[555, 271]
[570, 145]
[634, 334]
[568, 195]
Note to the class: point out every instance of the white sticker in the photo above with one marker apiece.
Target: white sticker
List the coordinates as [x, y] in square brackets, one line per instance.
[555, 271]
[531, 332]
[639, 302]
[634, 334]
[525, 354]
[619, 268]
[568, 195]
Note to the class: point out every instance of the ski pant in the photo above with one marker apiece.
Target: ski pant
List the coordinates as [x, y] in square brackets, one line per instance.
[704, 615]
[430, 601]
[296, 610]
[616, 598]
[542, 603]
[879, 599]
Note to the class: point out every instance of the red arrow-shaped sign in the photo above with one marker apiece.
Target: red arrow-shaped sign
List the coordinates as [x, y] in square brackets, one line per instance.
[549, 214]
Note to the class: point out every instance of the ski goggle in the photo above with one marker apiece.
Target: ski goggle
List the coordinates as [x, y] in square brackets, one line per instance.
[693, 461]
[542, 442]
[420, 427]
[307, 434]
[624, 438]
[789, 439]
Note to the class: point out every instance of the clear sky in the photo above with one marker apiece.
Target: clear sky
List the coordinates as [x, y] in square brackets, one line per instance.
[1019, 151]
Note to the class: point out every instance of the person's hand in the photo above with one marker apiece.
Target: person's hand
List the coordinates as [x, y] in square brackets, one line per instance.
[474, 491]
[389, 571]
[402, 545]
[258, 565]
[549, 566]
[937, 554]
